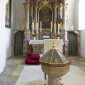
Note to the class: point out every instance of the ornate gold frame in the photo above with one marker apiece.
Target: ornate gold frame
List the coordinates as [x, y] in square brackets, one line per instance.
[38, 16]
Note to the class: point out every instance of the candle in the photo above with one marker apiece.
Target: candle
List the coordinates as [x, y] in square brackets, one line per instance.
[61, 11]
[51, 26]
[33, 27]
[58, 28]
[37, 28]
[40, 26]
[55, 28]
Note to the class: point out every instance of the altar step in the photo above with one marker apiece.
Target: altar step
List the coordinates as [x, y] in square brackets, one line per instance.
[32, 59]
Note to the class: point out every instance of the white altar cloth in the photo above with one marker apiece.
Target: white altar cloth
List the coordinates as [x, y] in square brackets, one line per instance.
[36, 42]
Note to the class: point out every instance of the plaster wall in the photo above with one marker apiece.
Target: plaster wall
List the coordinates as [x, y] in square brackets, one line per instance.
[5, 40]
[83, 43]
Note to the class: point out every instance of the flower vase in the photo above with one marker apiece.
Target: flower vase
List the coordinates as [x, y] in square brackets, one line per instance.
[34, 38]
[58, 38]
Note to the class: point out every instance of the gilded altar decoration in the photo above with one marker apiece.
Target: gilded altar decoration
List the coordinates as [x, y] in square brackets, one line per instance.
[60, 25]
[23, 19]
[49, 12]
[72, 27]
[45, 2]
[18, 27]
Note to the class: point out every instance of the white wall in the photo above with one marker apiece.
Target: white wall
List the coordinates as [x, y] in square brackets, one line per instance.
[17, 12]
[83, 43]
[70, 12]
[82, 25]
[5, 40]
[76, 15]
[82, 14]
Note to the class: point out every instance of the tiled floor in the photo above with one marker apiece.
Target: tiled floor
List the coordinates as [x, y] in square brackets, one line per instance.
[15, 65]
[12, 70]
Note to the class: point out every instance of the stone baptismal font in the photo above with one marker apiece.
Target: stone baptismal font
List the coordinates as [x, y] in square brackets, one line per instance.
[55, 65]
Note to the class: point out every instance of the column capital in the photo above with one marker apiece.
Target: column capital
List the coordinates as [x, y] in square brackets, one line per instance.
[55, 7]
[36, 7]
[62, 6]
[26, 5]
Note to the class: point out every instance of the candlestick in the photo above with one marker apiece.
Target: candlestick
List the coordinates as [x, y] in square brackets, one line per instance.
[58, 28]
[51, 27]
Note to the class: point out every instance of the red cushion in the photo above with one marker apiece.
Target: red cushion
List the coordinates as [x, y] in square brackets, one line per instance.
[29, 60]
[35, 56]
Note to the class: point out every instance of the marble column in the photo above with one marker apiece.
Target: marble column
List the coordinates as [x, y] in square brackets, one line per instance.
[36, 19]
[32, 12]
[66, 27]
[26, 8]
[65, 14]
[27, 31]
[55, 14]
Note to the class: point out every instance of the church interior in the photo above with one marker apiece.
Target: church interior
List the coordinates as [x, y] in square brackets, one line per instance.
[40, 36]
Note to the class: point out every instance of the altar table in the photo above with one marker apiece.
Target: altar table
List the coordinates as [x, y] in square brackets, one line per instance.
[46, 44]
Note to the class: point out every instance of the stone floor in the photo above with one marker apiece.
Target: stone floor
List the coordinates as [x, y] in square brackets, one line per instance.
[15, 65]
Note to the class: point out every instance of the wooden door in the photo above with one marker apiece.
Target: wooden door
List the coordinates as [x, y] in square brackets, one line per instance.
[72, 44]
[18, 43]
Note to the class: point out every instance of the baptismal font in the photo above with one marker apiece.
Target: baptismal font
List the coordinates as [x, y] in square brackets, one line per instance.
[55, 65]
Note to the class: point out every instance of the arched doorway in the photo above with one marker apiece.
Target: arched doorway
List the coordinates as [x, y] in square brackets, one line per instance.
[72, 43]
[18, 43]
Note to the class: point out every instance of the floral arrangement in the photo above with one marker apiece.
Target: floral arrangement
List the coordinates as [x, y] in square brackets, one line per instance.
[58, 35]
[34, 35]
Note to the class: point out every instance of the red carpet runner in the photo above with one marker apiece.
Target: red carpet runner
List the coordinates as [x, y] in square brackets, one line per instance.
[32, 59]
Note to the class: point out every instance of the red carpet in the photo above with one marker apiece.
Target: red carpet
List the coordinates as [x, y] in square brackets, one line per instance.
[32, 59]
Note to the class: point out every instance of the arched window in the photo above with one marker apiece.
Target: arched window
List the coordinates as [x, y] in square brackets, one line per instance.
[82, 14]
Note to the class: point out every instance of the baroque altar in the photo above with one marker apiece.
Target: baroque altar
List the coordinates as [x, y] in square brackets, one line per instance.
[44, 18]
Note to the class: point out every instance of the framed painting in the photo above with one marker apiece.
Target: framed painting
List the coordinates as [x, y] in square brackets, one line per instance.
[8, 14]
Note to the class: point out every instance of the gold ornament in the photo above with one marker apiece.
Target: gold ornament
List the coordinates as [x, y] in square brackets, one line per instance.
[45, 2]
[18, 27]
[72, 27]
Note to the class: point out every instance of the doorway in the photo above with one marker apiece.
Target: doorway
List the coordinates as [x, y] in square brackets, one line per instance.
[18, 43]
[72, 43]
